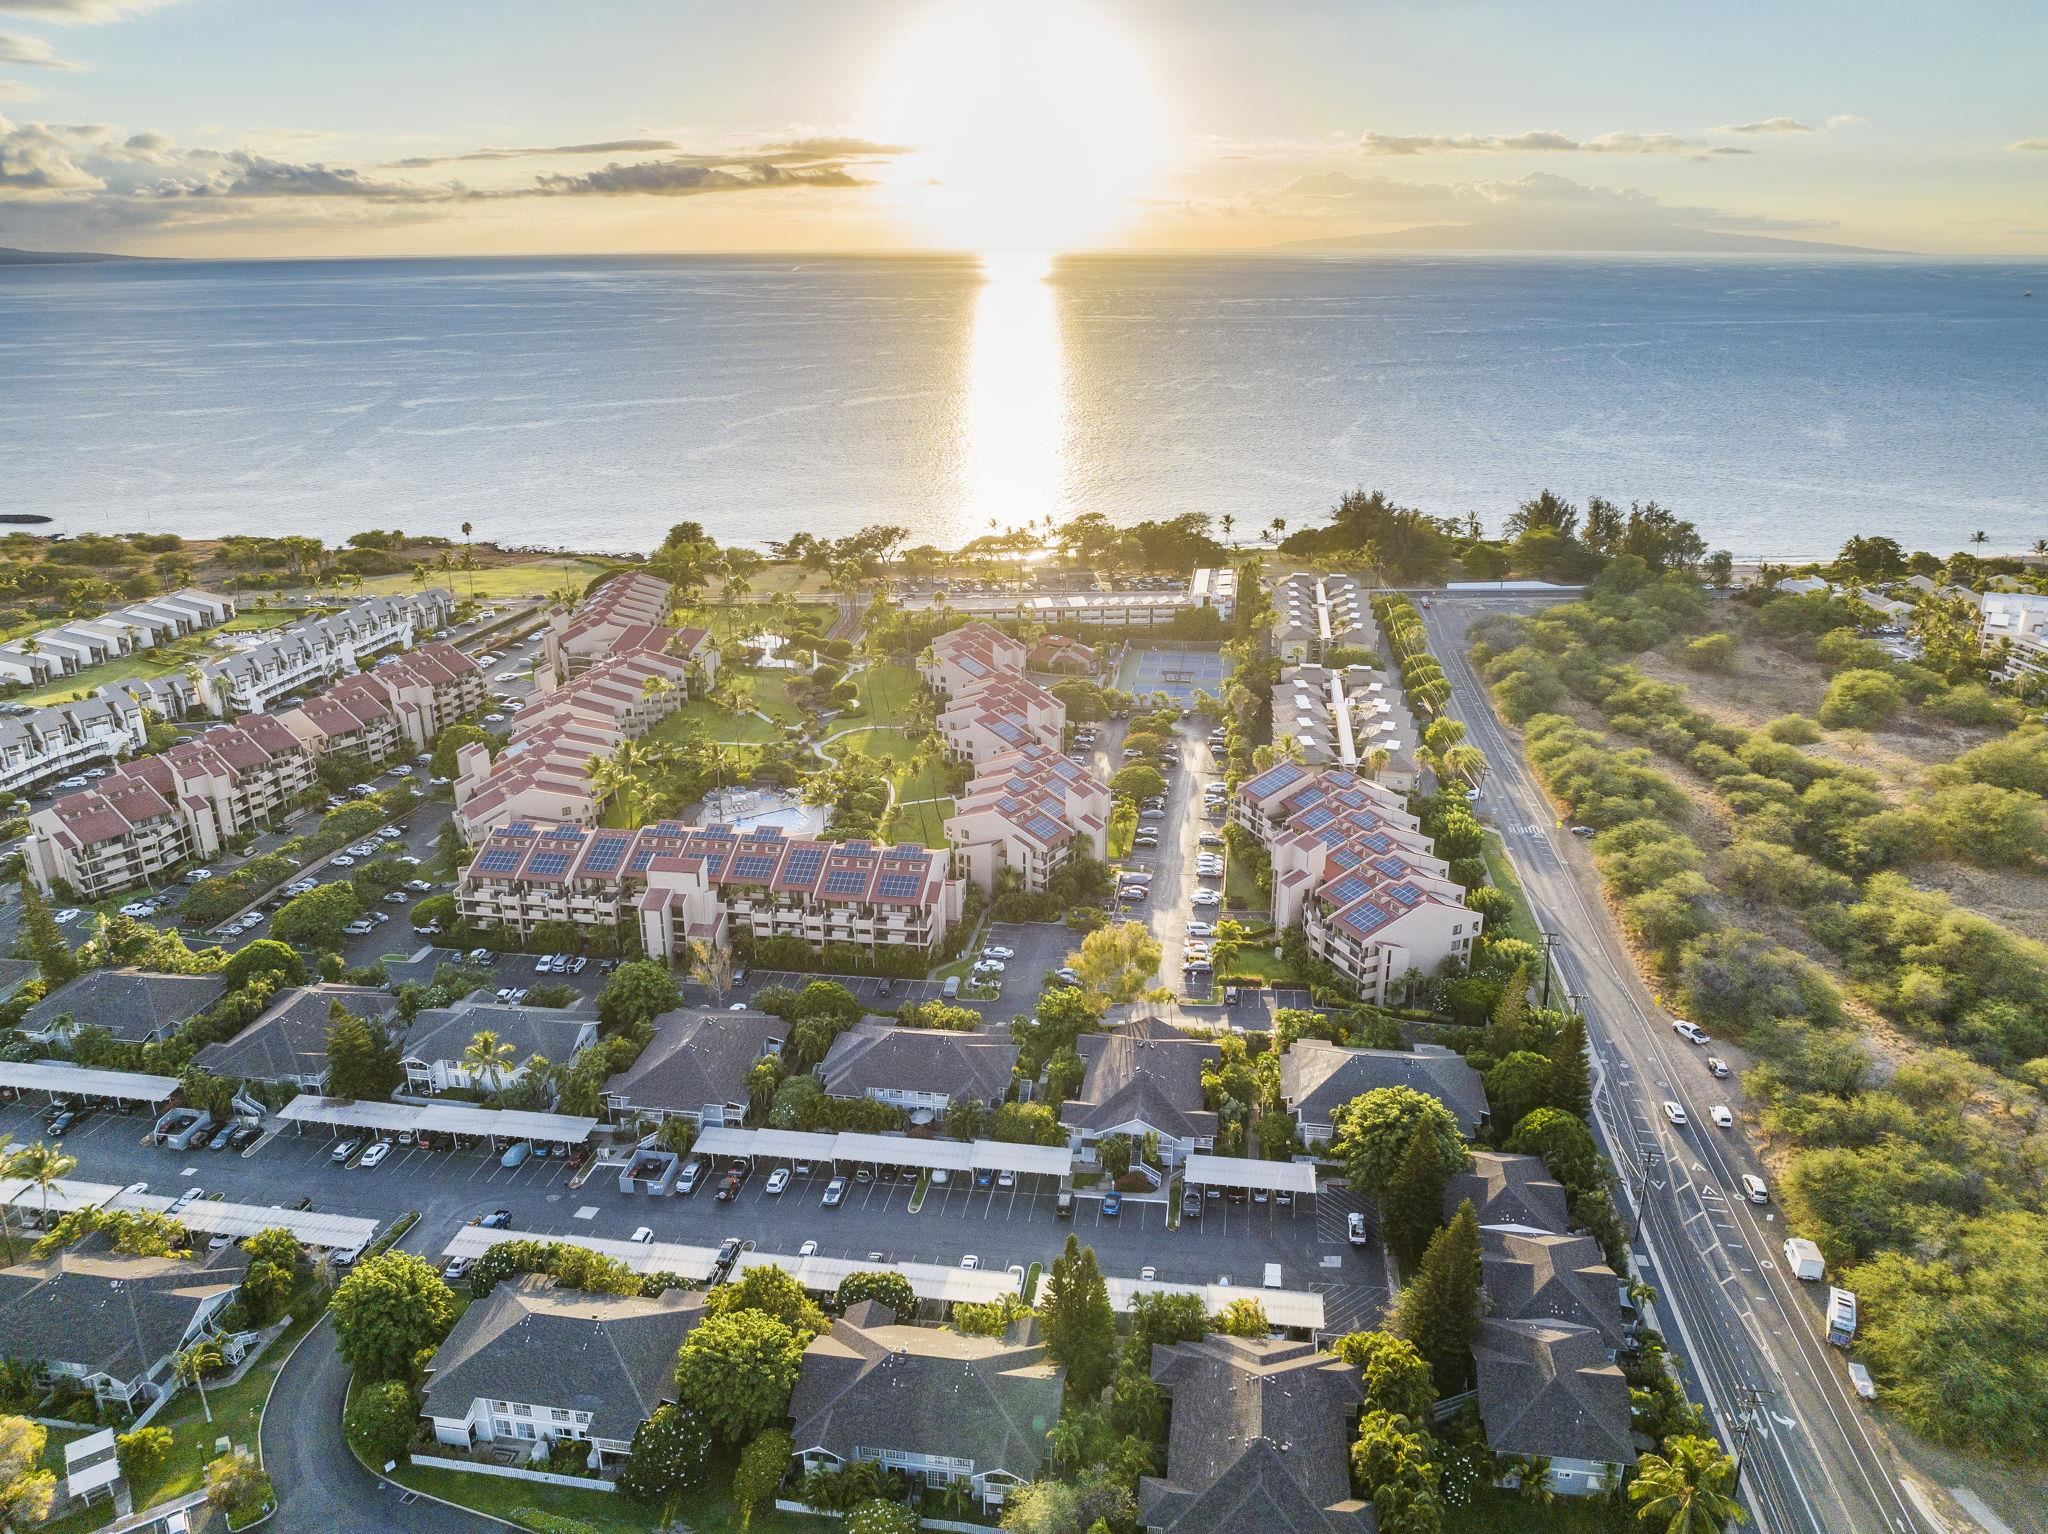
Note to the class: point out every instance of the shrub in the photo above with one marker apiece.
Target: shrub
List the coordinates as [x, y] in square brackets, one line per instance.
[1861, 700]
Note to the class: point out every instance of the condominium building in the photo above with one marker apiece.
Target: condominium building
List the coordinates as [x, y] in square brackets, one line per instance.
[545, 771]
[625, 613]
[1314, 613]
[2015, 629]
[1349, 716]
[65, 738]
[1098, 606]
[963, 659]
[157, 811]
[1000, 716]
[1353, 867]
[714, 884]
[1027, 811]
[320, 649]
[395, 708]
[66, 648]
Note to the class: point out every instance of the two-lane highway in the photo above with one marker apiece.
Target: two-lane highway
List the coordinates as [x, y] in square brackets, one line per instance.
[1810, 1462]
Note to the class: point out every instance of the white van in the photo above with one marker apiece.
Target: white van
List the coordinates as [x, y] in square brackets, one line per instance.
[1354, 1228]
[1272, 1276]
[1754, 1187]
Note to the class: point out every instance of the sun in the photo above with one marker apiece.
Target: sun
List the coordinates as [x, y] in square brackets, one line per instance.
[1033, 125]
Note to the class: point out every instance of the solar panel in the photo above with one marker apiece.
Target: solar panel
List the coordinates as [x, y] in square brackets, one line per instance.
[899, 886]
[605, 852]
[1346, 890]
[802, 865]
[642, 857]
[846, 881]
[1043, 827]
[1406, 893]
[858, 847]
[1392, 867]
[499, 860]
[1317, 818]
[753, 865]
[549, 864]
[1367, 917]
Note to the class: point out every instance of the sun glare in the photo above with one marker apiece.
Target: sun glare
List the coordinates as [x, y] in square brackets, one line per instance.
[1033, 124]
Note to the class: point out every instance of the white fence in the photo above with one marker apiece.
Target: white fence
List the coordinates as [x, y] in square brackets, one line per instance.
[507, 1472]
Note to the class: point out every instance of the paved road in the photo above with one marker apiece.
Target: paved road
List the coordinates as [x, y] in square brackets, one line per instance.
[1812, 1461]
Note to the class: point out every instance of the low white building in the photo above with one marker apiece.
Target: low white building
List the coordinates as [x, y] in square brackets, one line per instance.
[321, 649]
[2015, 631]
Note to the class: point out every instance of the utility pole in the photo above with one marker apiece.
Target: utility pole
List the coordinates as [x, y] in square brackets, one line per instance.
[1748, 1416]
[1549, 938]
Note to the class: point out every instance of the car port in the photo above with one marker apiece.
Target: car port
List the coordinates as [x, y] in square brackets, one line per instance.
[85, 1084]
[457, 1121]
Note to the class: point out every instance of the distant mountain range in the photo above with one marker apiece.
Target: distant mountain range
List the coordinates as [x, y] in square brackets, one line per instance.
[1660, 240]
[9, 256]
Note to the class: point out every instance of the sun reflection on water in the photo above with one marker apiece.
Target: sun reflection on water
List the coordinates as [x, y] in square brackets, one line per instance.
[1013, 468]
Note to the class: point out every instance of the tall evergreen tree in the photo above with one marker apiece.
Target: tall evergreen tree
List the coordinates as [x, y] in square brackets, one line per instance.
[1439, 1308]
[1415, 1199]
[40, 939]
[1510, 1015]
[360, 1065]
[1571, 1079]
[1080, 1327]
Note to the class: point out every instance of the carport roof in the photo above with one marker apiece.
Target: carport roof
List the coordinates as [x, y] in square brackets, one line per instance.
[785, 1143]
[928, 1280]
[337, 1232]
[1002, 1156]
[57, 1076]
[1246, 1172]
[692, 1262]
[439, 1118]
[65, 1194]
[1284, 1307]
[951, 1155]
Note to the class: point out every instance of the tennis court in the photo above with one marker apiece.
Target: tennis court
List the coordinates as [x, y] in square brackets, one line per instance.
[1177, 673]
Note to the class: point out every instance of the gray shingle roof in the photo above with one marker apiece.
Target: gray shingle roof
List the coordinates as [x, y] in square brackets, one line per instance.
[1260, 1439]
[113, 1315]
[870, 1383]
[610, 1355]
[873, 1055]
[1317, 1078]
[697, 1057]
[137, 1005]
[1148, 1073]
[443, 1033]
[1510, 1190]
[1550, 1390]
[290, 1039]
[1535, 1276]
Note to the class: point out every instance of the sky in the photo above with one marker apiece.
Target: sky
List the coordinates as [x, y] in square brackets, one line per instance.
[306, 128]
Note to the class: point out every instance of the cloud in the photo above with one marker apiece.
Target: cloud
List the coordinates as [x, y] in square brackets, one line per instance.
[239, 174]
[1846, 120]
[828, 148]
[81, 12]
[608, 146]
[18, 49]
[1535, 141]
[17, 90]
[36, 159]
[1769, 125]
[2028, 144]
[690, 178]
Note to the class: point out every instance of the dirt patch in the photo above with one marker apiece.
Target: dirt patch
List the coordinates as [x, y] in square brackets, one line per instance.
[2012, 898]
[2016, 1493]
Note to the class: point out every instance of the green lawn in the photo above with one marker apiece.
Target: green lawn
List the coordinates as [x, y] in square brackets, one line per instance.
[1241, 887]
[143, 664]
[924, 822]
[887, 743]
[1499, 1512]
[1520, 923]
[532, 578]
[709, 1511]
[252, 619]
[887, 691]
[769, 692]
[717, 723]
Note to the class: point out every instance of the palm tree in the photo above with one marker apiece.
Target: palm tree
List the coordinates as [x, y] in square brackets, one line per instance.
[487, 1057]
[1067, 1438]
[1228, 523]
[862, 1479]
[193, 1364]
[43, 1165]
[2041, 545]
[1279, 526]
[1685, 1489]
[1980, 536]
[1467, 762]
[468, 559]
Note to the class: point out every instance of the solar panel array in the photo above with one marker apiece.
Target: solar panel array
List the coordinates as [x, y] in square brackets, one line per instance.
[1043, 827]
[1406, 893]
[500, 860]
[802, 865]
[1345, 890]
[549, 865]
[1272, 780]
[1367, 917]
[899, 886]
[1392, 867]
[846, 881]
[753, 865]
[606, 853]
[1317, 818]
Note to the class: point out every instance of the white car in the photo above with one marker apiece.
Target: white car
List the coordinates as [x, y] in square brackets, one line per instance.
[511, 676]
[1148, 1273]
[1673, 1112]
[997, 951]
[989, 966]
[359, 928]
[342, 860]
[1207, 897]
[808, 1249]
[643, 1235]
[1691, 1033]
[136, 908]
[1201, 929]
[970, 1262]
[74, 783]
[778, 1179]
[69, 913]
[494, 718]
[1721, 1116]
[375, 1154]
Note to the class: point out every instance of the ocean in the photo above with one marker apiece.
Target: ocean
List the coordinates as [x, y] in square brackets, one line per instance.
[590, 403]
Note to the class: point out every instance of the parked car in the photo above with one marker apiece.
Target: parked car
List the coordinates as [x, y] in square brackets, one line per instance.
[222, 1136]
[343, 1151]
[778, 1179]
[997, 951]
[1722, 1118]
[1690, 1032]
[1717, 1065]
[375, 1155]
[808, 1249]
[643, 1234]
[457, 1269]
[1112, 1205]
[1354, 1228]
[1673, 1112]
[835, 1193]
[245, 1135]
[497, 1219]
